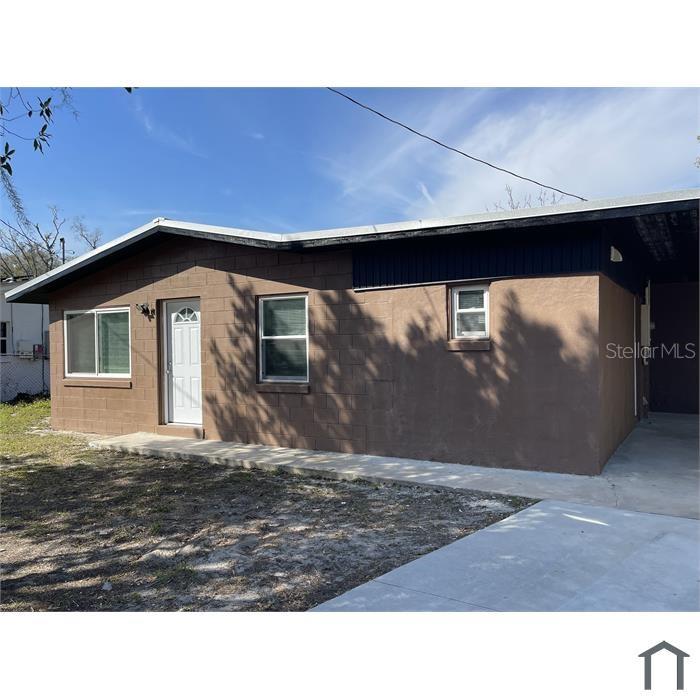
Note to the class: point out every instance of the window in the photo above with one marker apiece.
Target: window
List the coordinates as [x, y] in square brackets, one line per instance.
[470, 312]
[97, 343]
[3, 337]
[187, 315]
[284, 339]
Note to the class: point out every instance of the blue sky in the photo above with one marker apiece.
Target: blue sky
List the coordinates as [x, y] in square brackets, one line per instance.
[299, 159]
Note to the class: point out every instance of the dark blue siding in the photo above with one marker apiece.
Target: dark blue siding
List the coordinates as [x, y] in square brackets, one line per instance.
[547, 251]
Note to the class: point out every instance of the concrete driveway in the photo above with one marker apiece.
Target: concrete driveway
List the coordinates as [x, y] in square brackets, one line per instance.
[552, 556]
[607, 542]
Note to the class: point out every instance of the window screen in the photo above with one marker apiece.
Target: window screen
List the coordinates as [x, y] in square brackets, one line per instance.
[80, 351]
[470, 312]
[97, 342]
[113, 332]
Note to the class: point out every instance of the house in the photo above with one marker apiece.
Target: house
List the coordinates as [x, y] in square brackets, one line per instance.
[681, 656]
[516, 339]
[24, 338]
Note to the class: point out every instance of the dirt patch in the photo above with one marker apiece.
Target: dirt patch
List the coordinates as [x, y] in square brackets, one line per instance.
[91, 530]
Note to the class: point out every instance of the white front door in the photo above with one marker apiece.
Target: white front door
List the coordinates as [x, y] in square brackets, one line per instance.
[183, 367]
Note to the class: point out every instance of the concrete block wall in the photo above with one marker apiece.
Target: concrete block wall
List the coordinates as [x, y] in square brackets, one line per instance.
[382, 377]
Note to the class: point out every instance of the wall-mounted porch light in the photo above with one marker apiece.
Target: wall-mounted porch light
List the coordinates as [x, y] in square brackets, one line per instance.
[615, 254]
[146, 310]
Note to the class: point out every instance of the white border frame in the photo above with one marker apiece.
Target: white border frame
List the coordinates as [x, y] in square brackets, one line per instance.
[278, 380]
[96, 374]
[454, 310]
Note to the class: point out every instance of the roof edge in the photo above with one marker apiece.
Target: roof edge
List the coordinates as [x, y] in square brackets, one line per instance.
[348, 234]
[498, 216]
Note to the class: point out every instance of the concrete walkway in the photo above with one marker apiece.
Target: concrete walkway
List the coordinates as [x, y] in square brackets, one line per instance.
[655, 470]
[551, 556]
[586, 550]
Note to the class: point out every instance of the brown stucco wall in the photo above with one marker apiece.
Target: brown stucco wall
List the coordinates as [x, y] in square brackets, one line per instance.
[618, 311]
[383, 380]
[530, 401]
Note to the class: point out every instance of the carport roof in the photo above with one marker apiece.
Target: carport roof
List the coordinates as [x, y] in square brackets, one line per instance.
[38, 289]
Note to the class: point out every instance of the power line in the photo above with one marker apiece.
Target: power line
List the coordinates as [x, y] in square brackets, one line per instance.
[450, 148]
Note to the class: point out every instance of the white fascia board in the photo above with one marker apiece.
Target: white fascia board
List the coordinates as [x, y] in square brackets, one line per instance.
[81, 260]
[184, 227]
[497, 216]
[242, 235]
[177, 227]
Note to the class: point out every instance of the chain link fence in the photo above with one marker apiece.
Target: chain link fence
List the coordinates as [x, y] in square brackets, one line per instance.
[23, 374]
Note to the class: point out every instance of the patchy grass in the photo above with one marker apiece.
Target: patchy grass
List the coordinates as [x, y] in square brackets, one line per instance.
[178, 575]
[90, 530]
[25, 436]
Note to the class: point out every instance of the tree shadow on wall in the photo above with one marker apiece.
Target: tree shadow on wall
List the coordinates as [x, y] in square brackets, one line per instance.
[383, 382]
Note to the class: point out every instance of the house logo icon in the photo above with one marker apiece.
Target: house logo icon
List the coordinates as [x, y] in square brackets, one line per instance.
[680, 658]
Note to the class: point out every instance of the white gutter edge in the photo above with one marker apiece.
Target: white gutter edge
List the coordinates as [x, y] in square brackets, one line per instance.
[96, 254]
[357, 231]
[131, 237]
[496, 216]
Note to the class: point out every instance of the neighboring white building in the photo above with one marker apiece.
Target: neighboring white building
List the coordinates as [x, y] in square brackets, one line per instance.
[24, 346]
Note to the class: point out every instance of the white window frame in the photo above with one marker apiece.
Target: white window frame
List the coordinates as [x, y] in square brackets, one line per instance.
[261, 338]
[455, 310]
[96, 312]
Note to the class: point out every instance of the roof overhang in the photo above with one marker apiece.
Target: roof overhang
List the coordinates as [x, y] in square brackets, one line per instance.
[38, 289]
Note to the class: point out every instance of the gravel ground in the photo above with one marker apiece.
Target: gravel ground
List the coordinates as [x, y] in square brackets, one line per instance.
[93, 530]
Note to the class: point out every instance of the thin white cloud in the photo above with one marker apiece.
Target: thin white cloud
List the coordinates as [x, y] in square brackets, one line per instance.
[615, 143]
[593, 143]
[258, 136]
[426, 194]
[162, 133]
[373, 164]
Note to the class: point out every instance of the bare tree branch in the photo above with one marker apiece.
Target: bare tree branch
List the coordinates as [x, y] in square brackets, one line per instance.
[544, 198]
[27, 249]
[90, 238]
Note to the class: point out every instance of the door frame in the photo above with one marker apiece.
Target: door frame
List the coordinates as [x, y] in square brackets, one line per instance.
[163, 380]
